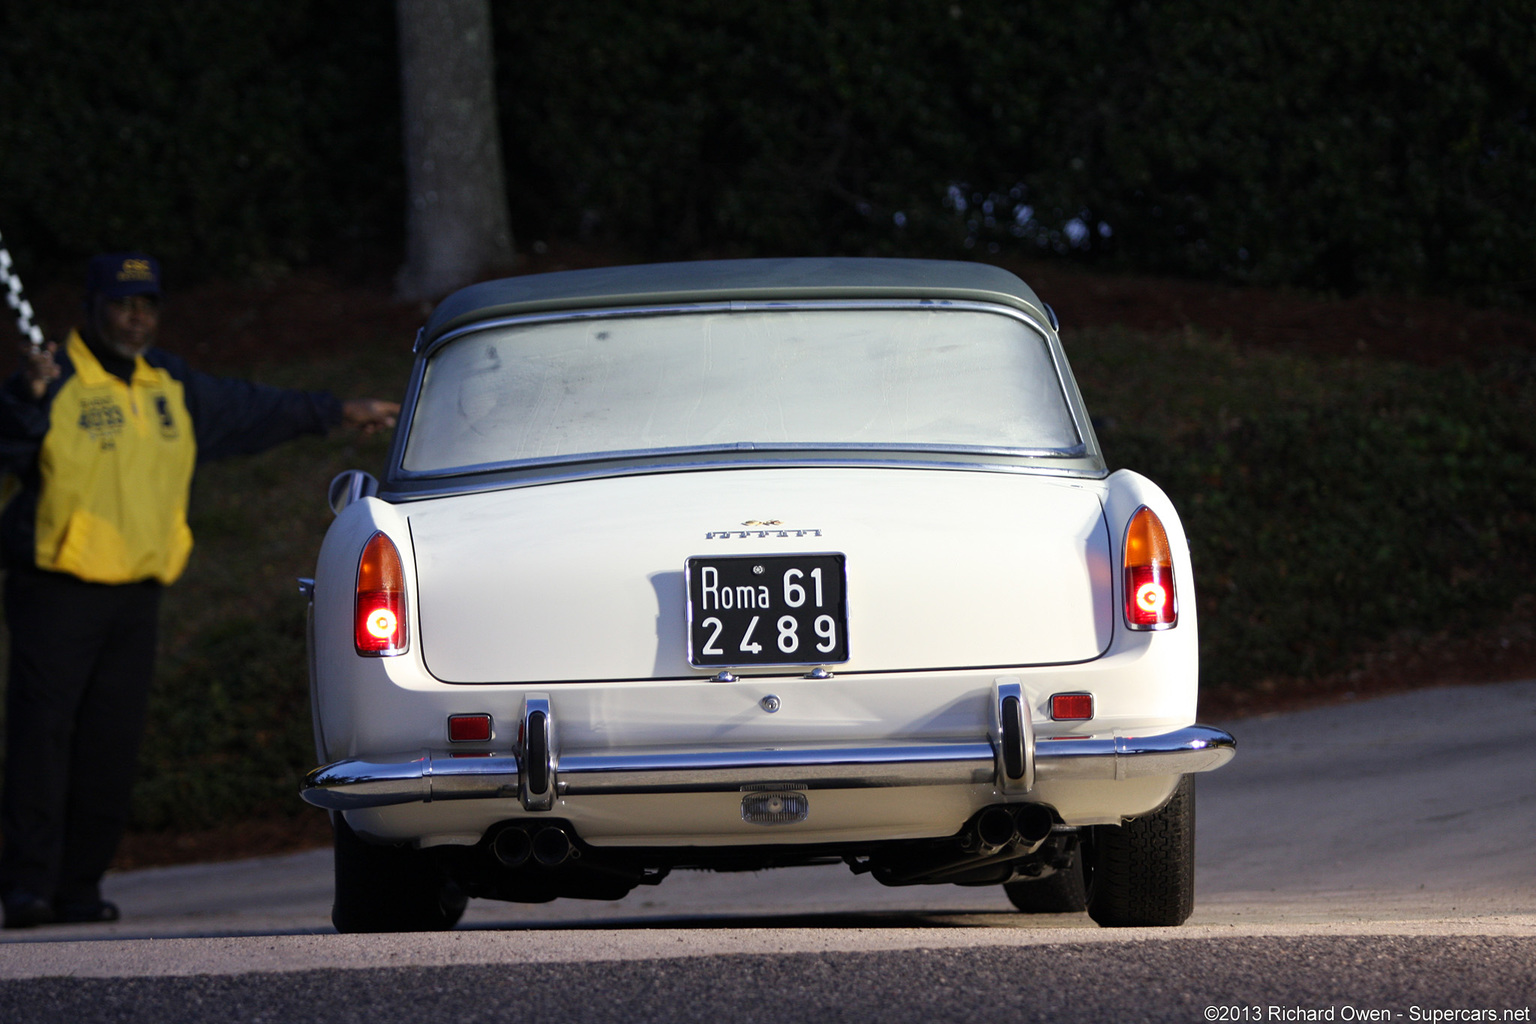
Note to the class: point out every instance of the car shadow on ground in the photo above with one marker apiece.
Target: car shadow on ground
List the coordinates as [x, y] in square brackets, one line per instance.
[830, 920]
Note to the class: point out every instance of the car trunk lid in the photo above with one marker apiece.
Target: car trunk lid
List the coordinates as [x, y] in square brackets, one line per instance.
[584, 580]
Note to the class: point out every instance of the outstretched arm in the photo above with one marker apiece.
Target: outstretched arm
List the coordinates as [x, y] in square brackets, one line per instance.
[369, 414]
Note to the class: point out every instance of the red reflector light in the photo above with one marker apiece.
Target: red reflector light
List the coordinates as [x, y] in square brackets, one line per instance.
[379, 613]
[1151, 602]
[1071, 707]
[469, 728]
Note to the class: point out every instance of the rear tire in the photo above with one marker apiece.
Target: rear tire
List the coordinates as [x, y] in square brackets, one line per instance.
[1143, 872]
[390, 888]
[1061, 892]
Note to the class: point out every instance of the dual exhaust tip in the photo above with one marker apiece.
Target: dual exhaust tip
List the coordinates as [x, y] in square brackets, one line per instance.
[548, 846]
[998, 826]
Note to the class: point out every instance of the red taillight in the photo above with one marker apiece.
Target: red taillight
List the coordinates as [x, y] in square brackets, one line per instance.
[379, 613]
[1151, 602]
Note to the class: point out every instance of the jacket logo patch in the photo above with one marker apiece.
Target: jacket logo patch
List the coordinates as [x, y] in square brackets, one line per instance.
[167, 421]
[136, 270]
[103, 420]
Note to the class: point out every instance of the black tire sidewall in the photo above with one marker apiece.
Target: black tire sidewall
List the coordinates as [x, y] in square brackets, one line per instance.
[1143, 872]
[389, 888]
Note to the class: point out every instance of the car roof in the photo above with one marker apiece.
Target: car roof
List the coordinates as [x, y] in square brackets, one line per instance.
[809, 278]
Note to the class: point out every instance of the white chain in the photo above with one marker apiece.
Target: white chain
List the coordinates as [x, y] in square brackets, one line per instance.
[16, 300]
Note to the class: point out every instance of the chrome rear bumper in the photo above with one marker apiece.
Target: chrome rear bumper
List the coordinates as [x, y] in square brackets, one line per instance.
[428, 775]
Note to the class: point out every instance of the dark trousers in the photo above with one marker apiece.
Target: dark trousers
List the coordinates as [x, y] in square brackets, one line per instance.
[82, 658]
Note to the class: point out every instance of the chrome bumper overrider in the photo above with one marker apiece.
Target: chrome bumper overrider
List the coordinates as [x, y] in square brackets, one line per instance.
[428, 776]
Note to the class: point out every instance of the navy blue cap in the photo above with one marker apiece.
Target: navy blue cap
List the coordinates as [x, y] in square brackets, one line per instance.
[121, 274]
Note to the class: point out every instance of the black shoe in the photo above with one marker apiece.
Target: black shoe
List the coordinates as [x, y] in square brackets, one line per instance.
[26, 909]
[86, 912]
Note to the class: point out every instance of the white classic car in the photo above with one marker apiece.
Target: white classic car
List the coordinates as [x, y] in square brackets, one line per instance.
[748, 564]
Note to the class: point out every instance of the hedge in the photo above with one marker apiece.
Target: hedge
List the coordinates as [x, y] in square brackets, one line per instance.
[1340, 145]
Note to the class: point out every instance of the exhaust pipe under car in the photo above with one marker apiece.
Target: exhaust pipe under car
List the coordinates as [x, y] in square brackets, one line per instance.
[512, 846]
[1000, 834]
[1033, 823]
[546, 845]
[994, 830]
[551, 846]
[1024, 825]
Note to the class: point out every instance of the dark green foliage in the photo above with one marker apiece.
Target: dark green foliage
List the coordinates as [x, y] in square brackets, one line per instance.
[1337, 145]
[797, 126]
[1330, 506]
[231, 136]
[230, 734]
[1342, 145]
[1334, 144]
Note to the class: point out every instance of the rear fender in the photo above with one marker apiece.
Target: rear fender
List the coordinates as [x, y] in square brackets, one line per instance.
[1179, 649]
[344, 680]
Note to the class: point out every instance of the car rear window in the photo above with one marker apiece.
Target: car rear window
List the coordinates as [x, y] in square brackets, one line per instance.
[573, 389]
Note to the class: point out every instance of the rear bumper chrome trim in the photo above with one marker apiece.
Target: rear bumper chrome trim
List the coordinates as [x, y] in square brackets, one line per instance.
[426, 776]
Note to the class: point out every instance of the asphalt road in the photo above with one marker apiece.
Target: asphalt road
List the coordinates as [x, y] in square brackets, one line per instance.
[1374, 860]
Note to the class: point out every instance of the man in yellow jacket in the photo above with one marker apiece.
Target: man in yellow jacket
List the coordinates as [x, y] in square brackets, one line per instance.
[104, 435]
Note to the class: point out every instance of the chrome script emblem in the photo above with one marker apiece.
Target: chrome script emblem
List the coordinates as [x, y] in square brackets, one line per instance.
[773, 529]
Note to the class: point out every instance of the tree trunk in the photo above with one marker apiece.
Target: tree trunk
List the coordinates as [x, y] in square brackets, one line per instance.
[457, 227]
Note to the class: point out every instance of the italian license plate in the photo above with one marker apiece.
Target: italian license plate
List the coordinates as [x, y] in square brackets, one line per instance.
[767, 610]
